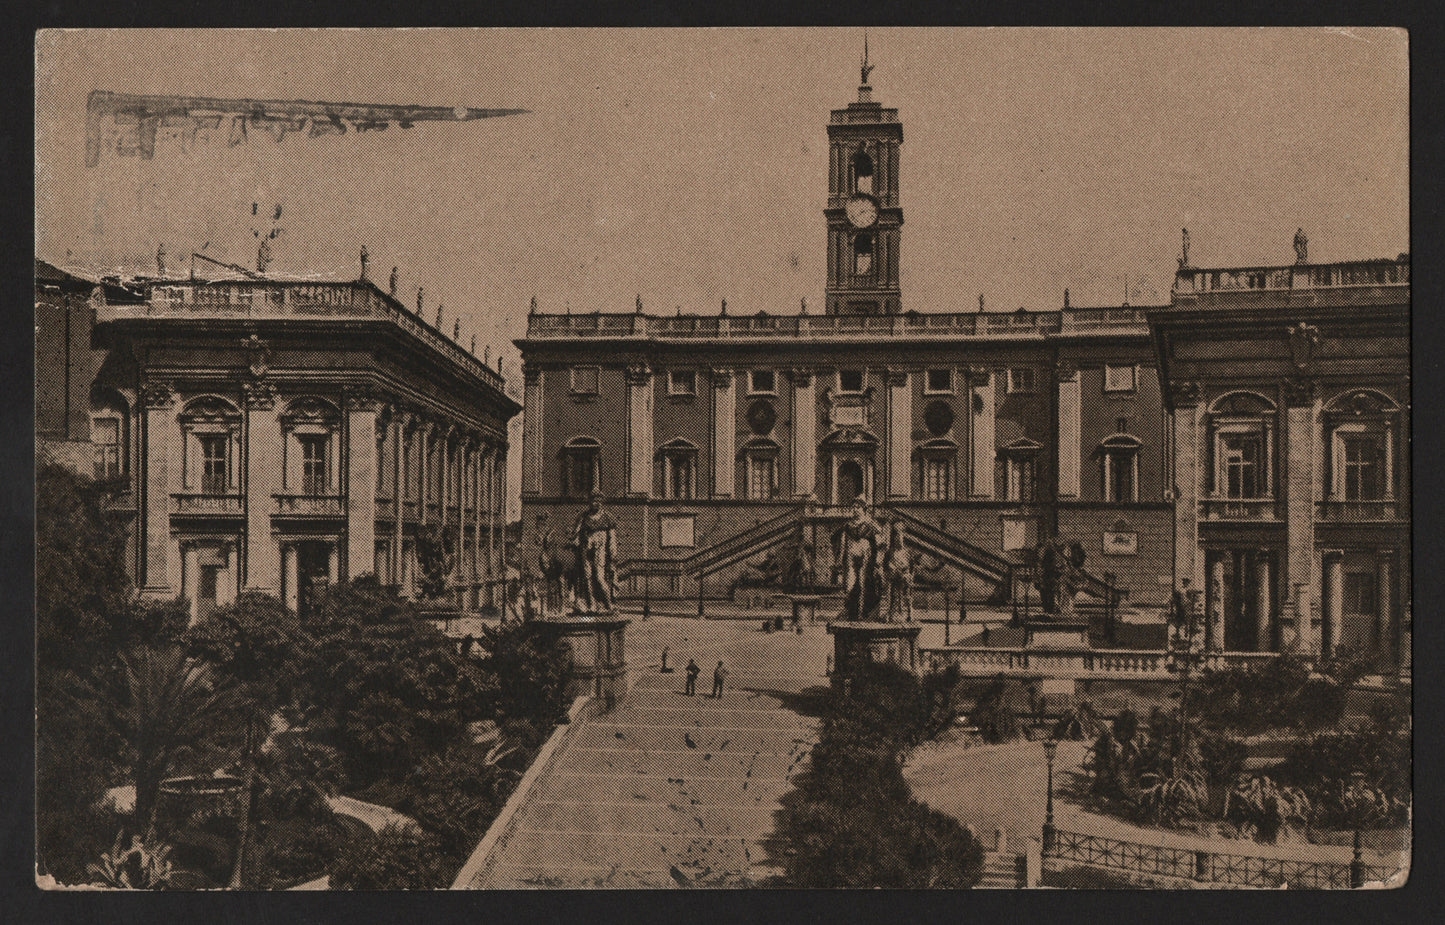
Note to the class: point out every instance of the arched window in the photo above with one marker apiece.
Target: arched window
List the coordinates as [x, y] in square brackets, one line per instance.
[862, 172]
[1119, 467]
[211, 438]
[109, 434]
[581, 470]
[1360, 428]
[1242, 427]
[1020, 461]
[863, 255]
[311, 428]
[678, 460]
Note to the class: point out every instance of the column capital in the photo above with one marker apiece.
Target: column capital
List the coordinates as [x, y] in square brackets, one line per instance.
[801, 376]
[1299, 390]
[979, 375]
[1185, 392]
[531, 372]
[157, 393]
[894, 376]
[1385, 555]
[259, 396]
[638, 374]
[1330, 554]
[722, 377]
[1066, 370]
[359, 398]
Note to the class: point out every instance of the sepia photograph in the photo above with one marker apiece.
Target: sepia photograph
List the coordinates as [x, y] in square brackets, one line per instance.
[582, 458]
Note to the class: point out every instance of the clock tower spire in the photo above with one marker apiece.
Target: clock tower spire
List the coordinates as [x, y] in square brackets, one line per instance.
[864, 214]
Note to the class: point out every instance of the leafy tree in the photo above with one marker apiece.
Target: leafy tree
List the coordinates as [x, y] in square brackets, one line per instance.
[456, 795]
[160, 705]
[528, 673]
[396, 859]
[434, 560]
[384, 685]
[252, 643]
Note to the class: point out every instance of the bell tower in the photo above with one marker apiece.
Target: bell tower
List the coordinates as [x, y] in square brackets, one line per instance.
[863, 213]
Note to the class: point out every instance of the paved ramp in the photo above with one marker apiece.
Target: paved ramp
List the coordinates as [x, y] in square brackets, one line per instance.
[669, 790]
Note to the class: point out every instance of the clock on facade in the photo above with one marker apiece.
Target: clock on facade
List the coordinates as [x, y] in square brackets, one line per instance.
[862, 212]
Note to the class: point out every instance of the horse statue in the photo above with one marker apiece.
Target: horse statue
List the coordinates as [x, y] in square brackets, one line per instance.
[898, 575]
[557, 565]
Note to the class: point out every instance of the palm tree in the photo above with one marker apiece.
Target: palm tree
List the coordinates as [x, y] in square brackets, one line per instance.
[160, 704]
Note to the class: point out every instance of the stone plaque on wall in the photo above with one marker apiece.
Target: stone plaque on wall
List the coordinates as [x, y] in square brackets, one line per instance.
[678, 530]
[1118, 543]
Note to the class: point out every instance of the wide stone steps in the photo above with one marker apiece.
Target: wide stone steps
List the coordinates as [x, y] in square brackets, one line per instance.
[1001, 871]
[728, 790]
[679, 817]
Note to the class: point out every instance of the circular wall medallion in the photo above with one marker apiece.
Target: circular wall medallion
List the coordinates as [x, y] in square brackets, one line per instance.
[761, 416]
[939, 418]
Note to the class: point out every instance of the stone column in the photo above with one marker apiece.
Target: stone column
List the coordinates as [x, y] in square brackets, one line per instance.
[1070, 430]
[423, 470]
[1300, 454]
[724, 406]
[263, 463]
[1332, 630]
[1262, 615]
[900, 434]
[492, 570]
[805, 441]
[1386, 626]
[161, 461]
[639, 430]
[1214, 624]
[190, 577]
[1186, 477]
[360, 483]
[981, 432]
[479, 568]
[333, 564]
[291, 576]
[532, 430]
[399, 424]
[226, 583]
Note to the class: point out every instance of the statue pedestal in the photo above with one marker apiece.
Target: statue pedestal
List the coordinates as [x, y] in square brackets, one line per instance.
[856, 643]
[805, 607]
[1056, 633]
[599, 656]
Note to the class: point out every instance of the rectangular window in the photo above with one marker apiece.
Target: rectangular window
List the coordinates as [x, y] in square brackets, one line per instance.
[105, 439]
[936, 479]
[313, 464]
[582, 474]
[584, 380]
[1240, 463]
[1360, 597]
[679, 476]
[1021, 479]
[761, 380]
[1021, 380]
[681, 382]
[214, 463]
[1119, 378]
[762, 476]
[1119, 473]
[1362, 469]
[850, 380]
[940, 381]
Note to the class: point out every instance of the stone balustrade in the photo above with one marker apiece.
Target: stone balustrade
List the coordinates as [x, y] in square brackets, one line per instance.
[1038, 661]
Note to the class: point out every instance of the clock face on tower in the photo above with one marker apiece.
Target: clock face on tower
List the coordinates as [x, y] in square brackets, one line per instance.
[862, 212]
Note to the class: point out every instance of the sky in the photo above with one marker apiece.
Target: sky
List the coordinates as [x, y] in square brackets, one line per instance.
[688, 166]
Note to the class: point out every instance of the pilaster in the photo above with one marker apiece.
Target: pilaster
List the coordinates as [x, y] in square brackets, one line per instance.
[981, 434]
[360, 483]
[1187, 475]
[639, 430]
[900, 433]
[804, 433]
[1301, 451]
[161, 458]
[263, 483]
[1070, 430]
[724, 405]
[532, 430]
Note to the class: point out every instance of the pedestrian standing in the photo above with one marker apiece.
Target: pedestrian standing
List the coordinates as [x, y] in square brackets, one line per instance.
[719, 675]
[692, 672]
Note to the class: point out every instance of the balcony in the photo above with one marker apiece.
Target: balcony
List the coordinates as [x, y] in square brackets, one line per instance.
[1377, 511]
[1246, 510]
[198, 504]
[911, 326]
[309, 506]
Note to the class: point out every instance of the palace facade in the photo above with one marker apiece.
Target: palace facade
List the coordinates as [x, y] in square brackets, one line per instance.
[271, 435]
[1287, 389]
[727, 444]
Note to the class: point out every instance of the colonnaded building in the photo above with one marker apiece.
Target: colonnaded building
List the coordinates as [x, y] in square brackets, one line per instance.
[1250, 436]
[261, 434]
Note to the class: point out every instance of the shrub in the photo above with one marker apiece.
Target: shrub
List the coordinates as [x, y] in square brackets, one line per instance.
[995, 719]
[396, 859]
[1080, 722]
[1261, 808]
[456, 795]
[527, 673]
[145, 865]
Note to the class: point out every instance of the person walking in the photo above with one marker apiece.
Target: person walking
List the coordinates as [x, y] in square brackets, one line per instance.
[692, 672]
[719, 675]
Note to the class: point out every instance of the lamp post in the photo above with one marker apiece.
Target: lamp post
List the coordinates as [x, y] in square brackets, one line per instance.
[1357, 860]
[1109, 605]
[947, 606]
[1051, 745]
